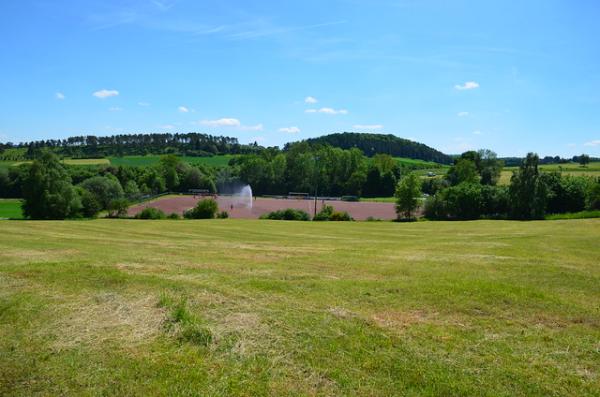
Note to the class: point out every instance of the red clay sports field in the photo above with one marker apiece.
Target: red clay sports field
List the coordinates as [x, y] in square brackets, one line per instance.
[358, 210]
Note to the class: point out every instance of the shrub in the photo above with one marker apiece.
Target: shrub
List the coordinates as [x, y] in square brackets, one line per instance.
[593, 197]
[290, 214]
[118, 208]
[223, 215]
[174, 215]
[150, 213]
[205, 209]
[324, 214]
[338, 216]
[350, 198]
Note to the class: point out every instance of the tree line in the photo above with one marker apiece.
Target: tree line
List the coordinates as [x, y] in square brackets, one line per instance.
[470, 191]
[91, 146]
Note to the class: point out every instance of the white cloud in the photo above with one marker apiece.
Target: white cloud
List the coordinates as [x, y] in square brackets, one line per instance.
[476, 132]
[183, 109]
[462, 114]
[143, 104]
[103, 94]
[290, 130]
[310, 99]
[469, 85]
[257, 127]
[367, 126]
[225, 122]
[60, 95]
[595, 142]
[115, 109]
[327, 111]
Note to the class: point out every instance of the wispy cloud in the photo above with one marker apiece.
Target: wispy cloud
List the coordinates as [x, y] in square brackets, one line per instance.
[270, 30]
[367, 126]
[462, 114]
[327, 111]
[224, 122]
[143, 104]
[257, 127]
[103, 94]
[115, 109]
[290, 130]
[166, 127]
[477, 132]
[310, 99]
[469, 85]
[59, 95]
[183, 109]
[595, 142]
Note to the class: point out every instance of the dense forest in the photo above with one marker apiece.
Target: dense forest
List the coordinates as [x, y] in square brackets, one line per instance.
[91, 146]
[372, 144]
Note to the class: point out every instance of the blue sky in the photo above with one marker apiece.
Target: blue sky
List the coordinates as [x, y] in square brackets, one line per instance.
[512, 76]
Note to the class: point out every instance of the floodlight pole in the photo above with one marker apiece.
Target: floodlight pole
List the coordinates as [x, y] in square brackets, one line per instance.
[316, 184]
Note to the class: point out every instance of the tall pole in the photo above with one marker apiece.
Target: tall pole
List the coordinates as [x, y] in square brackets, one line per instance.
[316, 183]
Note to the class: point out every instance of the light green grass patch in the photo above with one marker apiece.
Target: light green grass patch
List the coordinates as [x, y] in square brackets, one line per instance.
[145, 161]
[10, 208]
[244, 307]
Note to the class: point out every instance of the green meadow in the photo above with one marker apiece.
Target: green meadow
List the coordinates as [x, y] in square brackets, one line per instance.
[251, 308]
[574, 169]
[10, 208]
[144, 161]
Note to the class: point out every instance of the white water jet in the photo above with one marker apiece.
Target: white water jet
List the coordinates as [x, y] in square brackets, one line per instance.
[243, 197]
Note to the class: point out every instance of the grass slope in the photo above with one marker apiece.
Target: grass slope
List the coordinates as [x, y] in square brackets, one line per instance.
[144, 161]
[10, 208]
[234, 307]
[591, 170]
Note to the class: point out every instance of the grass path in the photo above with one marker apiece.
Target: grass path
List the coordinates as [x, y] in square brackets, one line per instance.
[240, 307]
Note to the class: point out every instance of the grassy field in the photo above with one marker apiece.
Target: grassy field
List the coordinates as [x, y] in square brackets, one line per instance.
[233, 307]
[10, 208]
[144, 161]
[591, 170]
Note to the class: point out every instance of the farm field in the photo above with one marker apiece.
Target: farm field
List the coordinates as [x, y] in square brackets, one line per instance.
[591, 170]
[214, 161]
[244, 307]
[10, 208]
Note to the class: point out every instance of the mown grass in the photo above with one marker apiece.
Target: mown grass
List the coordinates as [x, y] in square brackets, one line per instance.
[145, 161]
[241, 307]
[10, 208]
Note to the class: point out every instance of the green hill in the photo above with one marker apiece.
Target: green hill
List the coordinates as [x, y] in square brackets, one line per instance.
[372, 144]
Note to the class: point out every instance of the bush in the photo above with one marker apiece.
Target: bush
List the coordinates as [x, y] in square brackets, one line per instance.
[338, 216]
[150, 213]
[174, 215]
[290, 214]
[205, 209]
[350, 198]
[223, 215]
[118, 208]
[593, 197]
[324, 214]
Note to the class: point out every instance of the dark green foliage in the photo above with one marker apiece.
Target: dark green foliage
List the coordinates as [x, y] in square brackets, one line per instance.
[174, 216]
[340, 216]
[407, 196]
[223, 215]
[150, 213]
[324, 214]
[290, 214]
[463, 171]
[104, 188]
[433, 185]
[90, 204]
[468, 201]
[584, 160]
[593, 199]
[528, 192]
[117, 208]
[372, 144]
[205, 209]
[565, 193]
[48, 192]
